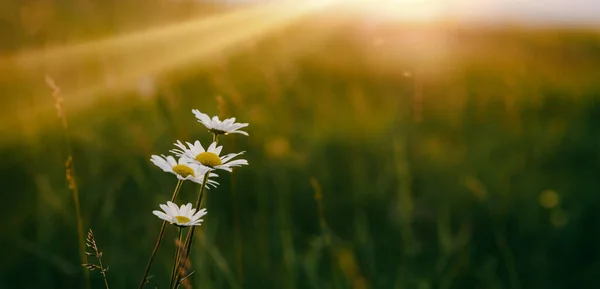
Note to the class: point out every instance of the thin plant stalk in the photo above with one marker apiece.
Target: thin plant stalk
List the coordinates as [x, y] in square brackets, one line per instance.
[70, 171]
[178, 249]
[103, 274]
[91, 243]
[160, 237]
[188, 240]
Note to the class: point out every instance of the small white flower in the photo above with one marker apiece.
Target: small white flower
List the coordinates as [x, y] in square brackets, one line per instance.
[216, 126]
[184, 169]
[210, 157]
[181, 216]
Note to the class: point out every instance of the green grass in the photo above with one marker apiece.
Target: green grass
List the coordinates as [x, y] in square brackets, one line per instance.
[428, 180]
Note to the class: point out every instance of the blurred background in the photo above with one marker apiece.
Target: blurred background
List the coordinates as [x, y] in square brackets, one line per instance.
[393, 144]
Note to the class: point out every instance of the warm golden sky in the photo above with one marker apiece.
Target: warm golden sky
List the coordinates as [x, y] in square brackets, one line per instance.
[527, 11]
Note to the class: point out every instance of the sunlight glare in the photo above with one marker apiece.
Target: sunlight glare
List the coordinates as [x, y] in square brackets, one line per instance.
[393, 10]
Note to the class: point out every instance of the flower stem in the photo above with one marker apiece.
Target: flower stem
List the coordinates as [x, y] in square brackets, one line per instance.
[178, 249]
[188, 240]
[160, 236]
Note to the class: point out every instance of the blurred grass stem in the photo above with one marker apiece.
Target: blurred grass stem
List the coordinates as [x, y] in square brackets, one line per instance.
[178, 248]
[188, 240]
[160, 236]
[70, 171]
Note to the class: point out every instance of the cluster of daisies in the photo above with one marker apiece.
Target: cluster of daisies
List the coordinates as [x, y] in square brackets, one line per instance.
[192, 162]
[196, 164]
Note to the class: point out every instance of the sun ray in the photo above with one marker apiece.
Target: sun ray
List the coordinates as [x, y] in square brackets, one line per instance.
[145, 40]
[152, 52]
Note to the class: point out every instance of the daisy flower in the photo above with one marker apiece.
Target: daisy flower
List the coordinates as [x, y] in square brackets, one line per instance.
[210, 157]
[184, 169]
[183, 216]
[217, 126]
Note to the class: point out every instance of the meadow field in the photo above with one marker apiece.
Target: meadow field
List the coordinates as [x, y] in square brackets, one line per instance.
[381, 155]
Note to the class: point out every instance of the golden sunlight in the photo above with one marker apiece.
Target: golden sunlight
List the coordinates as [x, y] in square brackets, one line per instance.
[127, 59]
[394, 10]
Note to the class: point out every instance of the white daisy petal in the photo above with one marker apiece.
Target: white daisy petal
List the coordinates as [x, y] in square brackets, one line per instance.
[202, 117]
[162, 215]
[197, 222]
[198, 146]
[217, 150]
[180, 149]
[227, 157]
[161, 163]
[217, 126]
[212, 148]
[183, 210]
[212, 184]
[200, 214]
[225, 168]
[189, 210]
[173, 207]
[237, 163]
[229, 121]
[240, 132]
[171, 160]
[236, 126]
[166, 209]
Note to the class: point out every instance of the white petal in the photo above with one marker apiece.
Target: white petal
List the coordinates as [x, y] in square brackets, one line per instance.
[200, 171]
[189, 210]
[237, 163]
[161, 163]
[237, 126]
[173, 208]
[166, 209]
[239, 131]
[227, 157]
[200, 214]
[224, 167]
[171, 160]
[161, 215]
[212, 148]
[202, 117]
[197, 148]
[183, 210]
[197, 223]
[217, 150]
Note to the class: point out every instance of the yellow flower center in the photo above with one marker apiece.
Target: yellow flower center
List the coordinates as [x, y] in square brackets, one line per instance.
[209, 159]
[182, 219]
[183, 170]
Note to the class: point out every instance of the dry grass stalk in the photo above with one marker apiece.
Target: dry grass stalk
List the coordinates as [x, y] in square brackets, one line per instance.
[69, 169]
[91, 243]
